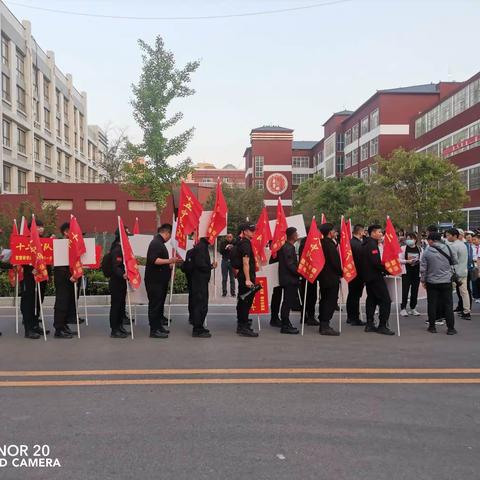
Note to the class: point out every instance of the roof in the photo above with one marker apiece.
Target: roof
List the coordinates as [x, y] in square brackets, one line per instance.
[304, 144]
[229, 166]
[426, 88]
[272, 128]
[342, 113]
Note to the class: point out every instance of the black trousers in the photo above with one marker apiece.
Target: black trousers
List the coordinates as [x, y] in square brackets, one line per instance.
[190, 298]
[72, 313]
[243, 306]
[311, 297]
[439, 298]
[328, 303]
[43, 287]
[377, 295]
[410, 283]
[275, 303]
[64, 302]
[289, 299]
[355, 291]
[157, 294]
[27, 302]
[227, 270]
[199, 307]
[118, 292]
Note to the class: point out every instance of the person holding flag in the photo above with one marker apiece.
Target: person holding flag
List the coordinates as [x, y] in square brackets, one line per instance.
[356, 285]
[189, 212]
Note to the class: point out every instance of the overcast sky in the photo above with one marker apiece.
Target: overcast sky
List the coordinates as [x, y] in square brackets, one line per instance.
[292, 69]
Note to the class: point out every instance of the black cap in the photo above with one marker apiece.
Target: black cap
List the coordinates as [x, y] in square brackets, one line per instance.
[247, 226]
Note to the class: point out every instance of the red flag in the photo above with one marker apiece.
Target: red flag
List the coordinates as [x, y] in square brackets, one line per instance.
[324, 219]
[348, 265]
[218, 221]
[189, 212]
[262, 236]
[36, 250]
[391, 250]
[280, 232]
[14, 228]
[313, 259]
[24, 227]
[136, 227]
[131, 266]
[17, 269]
[76, 248]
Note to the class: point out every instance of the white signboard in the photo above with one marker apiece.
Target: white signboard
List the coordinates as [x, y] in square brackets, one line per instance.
[205, 222]
[271, 272]
[139, 296]
[60, 252]
[140, 244]
[296, 221]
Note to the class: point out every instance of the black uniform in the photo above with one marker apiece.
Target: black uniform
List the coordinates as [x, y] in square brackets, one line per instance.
[64, 308]
[156, 281]
[29, 304]
[355, 286]
[373, 273]
[329, 279]
[118, 288]
[288, 279]
[244, 248]
[276, 300]
[312, 294]
[227, 269]
[200, 276]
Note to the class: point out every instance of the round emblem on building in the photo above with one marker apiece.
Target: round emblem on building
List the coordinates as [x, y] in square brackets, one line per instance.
[276, 184]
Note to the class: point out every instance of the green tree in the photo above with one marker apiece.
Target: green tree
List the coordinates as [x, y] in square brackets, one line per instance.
[161, 83]
[417, 189]
[242, 203]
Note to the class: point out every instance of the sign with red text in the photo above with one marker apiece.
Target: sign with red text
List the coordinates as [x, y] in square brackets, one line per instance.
[21, 255]
[260, 303]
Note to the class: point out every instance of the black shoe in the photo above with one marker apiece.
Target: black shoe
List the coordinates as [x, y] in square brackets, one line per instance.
[311, 321]
[451, 331]
[126, 320]
[164, 330]
[289, 329]
[32, 335]
[201, 334]
[118, 334]
[38, 329]
[337, 308]
[370, 328]
[224, 294]
[328, 331]
[69, 330]
[61, 333]
[275, 322]
[247, 332]
[357, 323]
[73, 321]
[233, 294]
[121, 329]
[466, 316]
[384, 330]
[432, 329]
[158, 334]
[458, 310]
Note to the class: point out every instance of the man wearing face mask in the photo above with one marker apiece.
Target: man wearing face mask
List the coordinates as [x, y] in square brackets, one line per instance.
[410, 257]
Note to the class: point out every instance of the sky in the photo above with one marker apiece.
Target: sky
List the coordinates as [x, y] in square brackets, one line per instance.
[292, 69]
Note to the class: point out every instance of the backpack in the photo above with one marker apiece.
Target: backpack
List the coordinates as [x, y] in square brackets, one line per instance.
[107, 265]
[188, 265]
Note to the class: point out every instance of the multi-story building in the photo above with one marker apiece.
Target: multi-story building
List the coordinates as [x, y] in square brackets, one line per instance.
[206, 175]
[44, 117]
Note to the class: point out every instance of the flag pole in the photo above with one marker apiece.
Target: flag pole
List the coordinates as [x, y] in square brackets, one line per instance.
[172, 279]
[304, 305]
[340, 313]
[215, 269]
[75, 291]
[16, 299]
[396, 306]
[41, 312]
[85, 300]
[258, 320]
[126, 280]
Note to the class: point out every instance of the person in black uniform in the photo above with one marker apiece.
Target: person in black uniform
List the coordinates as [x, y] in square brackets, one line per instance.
[246, 280]
[288, 279]
[312, 294]
[118, 289]
[276, 300]
[157, 276]
[64, 296]
[329, 280]
[225, 250]
[373, 274]
[355, 286]
[200, 278]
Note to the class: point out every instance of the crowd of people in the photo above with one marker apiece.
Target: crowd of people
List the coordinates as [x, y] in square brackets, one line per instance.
[441, 263]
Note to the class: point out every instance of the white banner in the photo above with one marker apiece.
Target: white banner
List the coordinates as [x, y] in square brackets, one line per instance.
[140, 244]
[139, 296]
[60, 252]
[205, 222]
[296, 221]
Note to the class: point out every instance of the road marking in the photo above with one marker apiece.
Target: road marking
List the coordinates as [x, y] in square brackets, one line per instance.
[237, 381]
[239, 371]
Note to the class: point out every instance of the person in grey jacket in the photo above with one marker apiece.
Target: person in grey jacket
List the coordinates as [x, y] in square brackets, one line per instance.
[436, 277]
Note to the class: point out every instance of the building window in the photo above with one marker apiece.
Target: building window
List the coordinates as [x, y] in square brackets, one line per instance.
[298, 178]
[7, 134]
[136, 206]
[463, 174]
[364, 152]
[36, 148]
[58, 126]
[59, 204]
[475, 92]
[364, 126]
[22, 181]
[373, 169]
[364, 174]
[100, 205]
[7, 177]
[300, 162]
[21, 140]
[59, 161]
[374, 119]
[348, 160]
[340, 164]
[354, 157]
[57, 101]
[65, 108]
[474, 174]
[36, 111]
[474, 219]
[82, 172]
[374, 147]
[21, 104]
[20, 66]
[355, 132]
[46, 114]
[258, 183]
[66, 133]
[5, 51]
[348, 136]
[340, 142]
[259, 167]
[67, 164]
[6, 95]
[35, 80]
[46, 89]
[48, 155]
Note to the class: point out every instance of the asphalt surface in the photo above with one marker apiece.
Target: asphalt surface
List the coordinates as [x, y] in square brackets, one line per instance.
[127, 409]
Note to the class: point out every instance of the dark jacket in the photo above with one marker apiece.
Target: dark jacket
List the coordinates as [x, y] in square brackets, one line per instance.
[117, 261]
[202, 265]
[224, 252]
[357, 252]
[157, 273]
[244, 247]
[332, 271]
[287, 265]
[373, 269]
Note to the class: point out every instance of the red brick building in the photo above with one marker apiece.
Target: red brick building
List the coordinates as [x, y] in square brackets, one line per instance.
[206, 174]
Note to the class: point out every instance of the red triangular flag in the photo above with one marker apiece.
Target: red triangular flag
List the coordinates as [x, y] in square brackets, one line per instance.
[136, 227]
[24, 227]
[131, 266]
[391, 250]
[218, 221]
[76, 248]
[324, 219]
[280, 232]
[189, 212]
[312, 260]
[262, 236]
[348, 265]
[14, 228]
[38, 261]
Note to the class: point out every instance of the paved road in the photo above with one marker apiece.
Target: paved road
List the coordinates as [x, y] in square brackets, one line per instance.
[175, 409]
